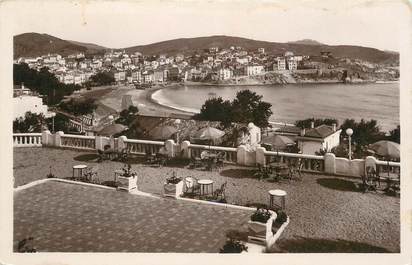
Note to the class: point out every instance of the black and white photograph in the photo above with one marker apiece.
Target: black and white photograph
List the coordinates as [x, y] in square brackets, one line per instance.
[215, 128]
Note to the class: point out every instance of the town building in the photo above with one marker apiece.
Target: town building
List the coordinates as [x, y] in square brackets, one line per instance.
[251, 70]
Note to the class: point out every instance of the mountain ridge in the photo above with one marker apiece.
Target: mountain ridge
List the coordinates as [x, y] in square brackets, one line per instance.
[36, 44]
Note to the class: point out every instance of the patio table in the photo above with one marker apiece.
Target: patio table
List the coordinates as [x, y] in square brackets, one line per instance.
[79, 170]
[206, 186]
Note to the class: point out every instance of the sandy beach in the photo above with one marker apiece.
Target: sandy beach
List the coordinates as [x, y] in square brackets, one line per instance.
[142, 99]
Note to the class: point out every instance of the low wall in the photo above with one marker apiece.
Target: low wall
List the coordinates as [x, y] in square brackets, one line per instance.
[241, 155]
[353, 168]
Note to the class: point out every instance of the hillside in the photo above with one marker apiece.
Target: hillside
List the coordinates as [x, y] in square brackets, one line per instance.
[36, 44]
[189, 45]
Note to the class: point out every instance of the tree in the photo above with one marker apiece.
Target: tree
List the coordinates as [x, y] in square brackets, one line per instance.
[102, 78]
[249, 107]
[364, 133]
[127, 116]
[215, 109]
[79, 107]
[307, 122]
[246, 107]
[395, 135]
[31, 123]
[61, 123]
[43, 82]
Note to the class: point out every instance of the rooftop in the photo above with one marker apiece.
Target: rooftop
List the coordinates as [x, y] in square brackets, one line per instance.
[327, 213]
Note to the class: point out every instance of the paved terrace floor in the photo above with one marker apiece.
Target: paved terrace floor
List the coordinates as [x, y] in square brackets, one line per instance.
[73, 218]
[327, 213]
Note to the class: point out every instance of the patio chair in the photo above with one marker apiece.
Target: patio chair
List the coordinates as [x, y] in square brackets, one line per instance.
[372, 178]
[221, 157]
[191, 186]
[295, 171]
[123, 155]
[195, 162]
[91, 174]
[220, 192]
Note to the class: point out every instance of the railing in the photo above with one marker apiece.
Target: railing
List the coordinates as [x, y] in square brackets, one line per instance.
[231, 153]
[388, 169]
[26, 139]
[311, 163]
[142, 147]
[78, 141]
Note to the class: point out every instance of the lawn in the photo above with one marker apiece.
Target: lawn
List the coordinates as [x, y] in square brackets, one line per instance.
[327, 213]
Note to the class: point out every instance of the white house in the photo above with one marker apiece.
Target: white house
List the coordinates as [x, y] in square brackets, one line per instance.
[251, 70]
[28, 103]
[281, 64]
[323, 137]
[225, 74]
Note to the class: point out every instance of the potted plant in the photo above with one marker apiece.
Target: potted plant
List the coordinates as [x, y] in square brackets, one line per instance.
[233, 246]
[128, 179]
[173, 187]
[281, 218]
[260, 223]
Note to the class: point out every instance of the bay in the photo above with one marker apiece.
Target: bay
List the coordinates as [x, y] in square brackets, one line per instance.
[292, 102]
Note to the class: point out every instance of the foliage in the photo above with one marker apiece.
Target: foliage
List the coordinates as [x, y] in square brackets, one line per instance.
[25, 245]
[249, 107]
[395, 135]
[246, 107]
[43, 82]
[173, 179]
[127, 171]
[281, 217]
[31, 123]
[102, 78]
[79, 107]
[127, 116]
[364, 133]
[233, 246]
[261, 215]
[307, 122]
[61, 123]
[215, 109]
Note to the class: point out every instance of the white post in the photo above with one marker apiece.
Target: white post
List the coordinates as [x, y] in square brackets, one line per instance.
[46, 138]
[330, 163]
[260, 156]
[241, 154]
[121, 144]
[370, 161]
[57, 138]
[170, 147]
[184, 146]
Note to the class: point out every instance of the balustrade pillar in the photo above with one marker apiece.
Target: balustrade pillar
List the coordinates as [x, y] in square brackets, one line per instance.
[58, 139]
[170, 147]
[184, 147]
[330, 163]
[370, 161]
[241, 154]
[121, 143]
[260, 156]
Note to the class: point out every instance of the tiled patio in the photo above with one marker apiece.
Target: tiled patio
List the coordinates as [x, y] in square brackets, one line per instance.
[63, 217]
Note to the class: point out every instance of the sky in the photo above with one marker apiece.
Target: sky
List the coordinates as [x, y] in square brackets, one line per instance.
[119, 24]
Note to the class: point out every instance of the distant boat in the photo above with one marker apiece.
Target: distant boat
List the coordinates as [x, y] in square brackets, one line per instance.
[212, 94]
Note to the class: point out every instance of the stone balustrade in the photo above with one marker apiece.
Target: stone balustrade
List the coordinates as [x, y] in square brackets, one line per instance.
[27, 139]
[241, 155]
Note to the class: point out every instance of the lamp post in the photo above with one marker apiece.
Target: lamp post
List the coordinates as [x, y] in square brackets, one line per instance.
[349, 132]
[177, 123]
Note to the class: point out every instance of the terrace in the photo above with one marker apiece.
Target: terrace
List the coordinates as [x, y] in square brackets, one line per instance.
[328, 213]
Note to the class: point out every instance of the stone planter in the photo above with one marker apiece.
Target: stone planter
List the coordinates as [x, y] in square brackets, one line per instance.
[259, 232]
[173, 190]
[271, 240]
[127, 183]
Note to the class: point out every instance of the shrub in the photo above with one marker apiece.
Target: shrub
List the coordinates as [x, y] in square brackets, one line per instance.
[261, 215]
[173, 179]
[233, 246]
[280, 218]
